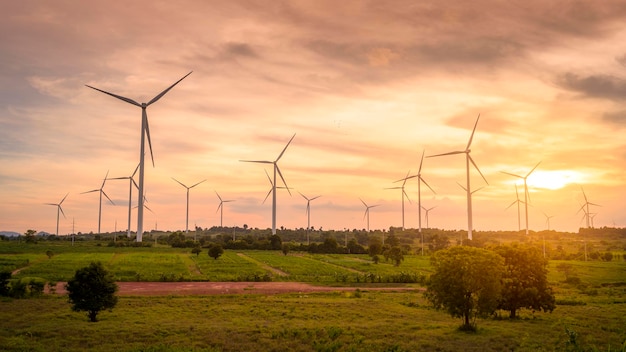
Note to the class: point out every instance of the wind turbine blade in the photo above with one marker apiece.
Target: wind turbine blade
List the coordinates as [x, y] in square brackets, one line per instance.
[134, 172]
[450, 153]
[476, 190]
[107, 197]
[427, 185]
[218, 195]
[119, 178]
[531, 171]
[282, 178]
[393, 187]
[597, 205]
[61, 209]
[510, 205]
[179, 182]
[510, 174]
[135, 183]
[283, 152]
[367, 210]
[257, 161]
[472, 136]
[363, 202]
[62, 200]
[154, 100]
[145, 116]
[303, 196]
[197, 183]
[406, 178]
[105, 179]
[218, 207]
[407, 196]
[314, 198]
[269, 178]
[93, 190]
[476, 166]
[374, 206]
[460, 185]
[268, 194]
[584, 195]
[421, 162]
[56, 205]
[130, 101]
[150, 210]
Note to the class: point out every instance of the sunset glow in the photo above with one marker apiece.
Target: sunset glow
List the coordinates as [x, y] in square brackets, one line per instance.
[366, 87]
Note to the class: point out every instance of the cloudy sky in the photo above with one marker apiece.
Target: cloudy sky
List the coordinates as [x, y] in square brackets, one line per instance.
[365, 86]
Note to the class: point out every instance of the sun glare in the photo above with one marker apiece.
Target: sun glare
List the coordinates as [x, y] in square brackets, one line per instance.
[553, 179]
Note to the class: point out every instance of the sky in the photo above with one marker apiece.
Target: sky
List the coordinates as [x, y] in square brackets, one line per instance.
[365, 86]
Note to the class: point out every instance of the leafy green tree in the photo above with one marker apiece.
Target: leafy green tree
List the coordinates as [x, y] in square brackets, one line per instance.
[216, 251]
[375, 247]
[396, 255]
[29, 236]
[276, 242]
[525, 280]
[286, 248]
[466, 282]
[196, 250]
[50, 254]
[92, 289]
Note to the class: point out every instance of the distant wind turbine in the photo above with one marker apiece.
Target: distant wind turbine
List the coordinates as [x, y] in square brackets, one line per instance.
[308, 214]
[404, 194]
[526, 195]
[221, 207]
[59, 210]
[518, 201]
[101, 190]
[276, 170]
[548, 217]
[272, 187]
[131, 182]
[187, 212]
[367, 212]
[427, 210]
[585, 208]
[468, 159]
[145, 132]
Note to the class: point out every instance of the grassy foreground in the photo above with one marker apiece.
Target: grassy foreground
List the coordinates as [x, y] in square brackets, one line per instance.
[346, 321]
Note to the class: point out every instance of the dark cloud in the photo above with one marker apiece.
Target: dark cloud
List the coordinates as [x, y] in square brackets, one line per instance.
[616, 117]
[595, 86]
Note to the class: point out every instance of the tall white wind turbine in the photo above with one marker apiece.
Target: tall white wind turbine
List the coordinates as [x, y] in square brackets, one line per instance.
[221, 207]
[308, 214]
[187, 212]
[517, 201]
[145, 132]
[59, 210]
[276, 170]
[367, 212]
[131, 181]
[101, 190]
[468, 159]
[526, 195]
[404, 194]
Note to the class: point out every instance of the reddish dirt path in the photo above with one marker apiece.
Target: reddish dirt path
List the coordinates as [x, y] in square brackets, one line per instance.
[221, 288]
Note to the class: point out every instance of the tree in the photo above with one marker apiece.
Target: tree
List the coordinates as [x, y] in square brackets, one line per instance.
[395, 254]
[215, 251]
[375, 247]
[525, 280]
[276, 242]
[466, 282]
[196, 250]
[30, 237]
[286, 248]
[50, 254]
[92, 289]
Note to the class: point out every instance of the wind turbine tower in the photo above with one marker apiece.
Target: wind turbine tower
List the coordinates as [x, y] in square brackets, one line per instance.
[59, 210]
[526, 195]
[585, 208]
[427, 210]
[276, 171]
[518, 201]
[308, 215]
[187, 212]
[101, 190]
[403, 193]
[145, 132]
[468, 159]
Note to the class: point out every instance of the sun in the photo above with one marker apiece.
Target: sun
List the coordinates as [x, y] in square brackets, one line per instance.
[553, 180]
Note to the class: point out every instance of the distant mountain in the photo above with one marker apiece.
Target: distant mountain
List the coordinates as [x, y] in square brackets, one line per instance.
[9, 234]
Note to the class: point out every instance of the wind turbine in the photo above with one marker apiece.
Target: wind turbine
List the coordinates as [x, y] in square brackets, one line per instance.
[427, 211]
[145, 132]
[548, 217]
[221, 207]
[59, 210]
[276, 170]
[101, 190]
[308, 214]
[403, 193]
[419, 191]
[526, 195]
[517, 200]
[367, 212]
[468, 159]
[585, 207]
[130, 192]
[188, 188]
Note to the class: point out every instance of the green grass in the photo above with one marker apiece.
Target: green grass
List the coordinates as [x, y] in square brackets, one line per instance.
[337, 321]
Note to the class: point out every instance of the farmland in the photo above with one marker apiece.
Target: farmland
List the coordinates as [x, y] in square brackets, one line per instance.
[590, 313]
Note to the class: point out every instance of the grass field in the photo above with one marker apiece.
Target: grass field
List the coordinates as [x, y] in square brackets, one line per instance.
[590, 313]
